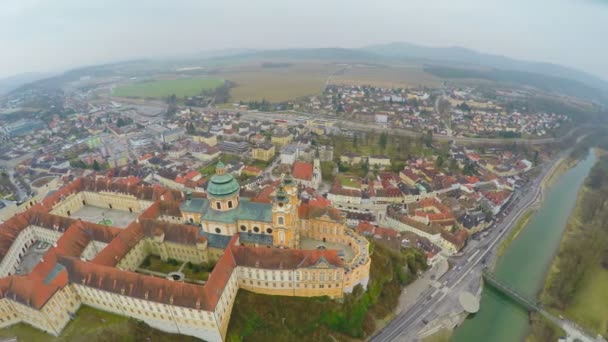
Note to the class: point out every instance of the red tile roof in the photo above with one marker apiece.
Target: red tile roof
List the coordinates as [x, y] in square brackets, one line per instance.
[302, 170]
[274, 258]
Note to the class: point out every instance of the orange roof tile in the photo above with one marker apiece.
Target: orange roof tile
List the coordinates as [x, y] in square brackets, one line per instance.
[302, 170]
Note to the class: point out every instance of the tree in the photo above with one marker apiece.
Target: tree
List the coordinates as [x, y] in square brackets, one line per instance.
[383, 140]
[172, 109]
[96, 166]
[427, 138]
[453, 166]
[439, 161]
[190, 128]
[469, 169]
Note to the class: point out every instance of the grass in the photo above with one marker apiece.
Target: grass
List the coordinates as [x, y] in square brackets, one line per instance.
[349, 182]
[164, 88]
[254, 83]
[387, 76]
[443, 335]
[92, 325]
[157, 265]
[202, 275]
[589, 306]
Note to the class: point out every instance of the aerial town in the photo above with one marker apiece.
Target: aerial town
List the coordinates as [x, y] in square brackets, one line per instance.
[99, 193]
[381, 208]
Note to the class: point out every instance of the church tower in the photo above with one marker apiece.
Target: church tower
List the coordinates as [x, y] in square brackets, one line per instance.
[317, 176]
[285, 216]
[223, 190]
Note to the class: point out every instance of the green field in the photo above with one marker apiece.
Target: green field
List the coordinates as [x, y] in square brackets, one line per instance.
[256, 83]
[93, 325]
[387, 76]
[163, 88]
[590, 302]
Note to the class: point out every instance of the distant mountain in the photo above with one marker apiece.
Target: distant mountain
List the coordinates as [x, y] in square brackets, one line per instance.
[546, 76]
[13, 82]
[472, 58]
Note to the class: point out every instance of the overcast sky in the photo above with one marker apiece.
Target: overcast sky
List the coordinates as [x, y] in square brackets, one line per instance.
[44, 35]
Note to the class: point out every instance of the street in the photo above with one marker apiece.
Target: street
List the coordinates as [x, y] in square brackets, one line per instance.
[407, 324]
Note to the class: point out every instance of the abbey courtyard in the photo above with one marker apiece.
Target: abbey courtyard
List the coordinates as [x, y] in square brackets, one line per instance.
[94, 233]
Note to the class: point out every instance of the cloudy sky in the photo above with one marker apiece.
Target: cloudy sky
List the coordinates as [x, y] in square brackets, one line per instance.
[43, 35]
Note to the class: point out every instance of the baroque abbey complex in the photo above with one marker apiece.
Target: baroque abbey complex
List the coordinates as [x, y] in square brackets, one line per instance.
[95, 233]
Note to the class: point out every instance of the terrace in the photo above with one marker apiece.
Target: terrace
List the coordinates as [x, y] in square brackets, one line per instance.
[343, 251]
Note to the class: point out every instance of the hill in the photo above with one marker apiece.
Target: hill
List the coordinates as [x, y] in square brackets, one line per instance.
[463, 56]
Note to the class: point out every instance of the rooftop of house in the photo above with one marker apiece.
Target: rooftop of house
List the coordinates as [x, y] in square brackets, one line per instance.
[302, 170]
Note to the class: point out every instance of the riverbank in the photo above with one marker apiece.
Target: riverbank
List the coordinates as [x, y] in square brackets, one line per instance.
[575, 286]
[525, 262]
[557, 170]
[514, 233]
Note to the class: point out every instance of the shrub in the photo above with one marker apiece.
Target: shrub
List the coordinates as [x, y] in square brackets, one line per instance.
[146, 262]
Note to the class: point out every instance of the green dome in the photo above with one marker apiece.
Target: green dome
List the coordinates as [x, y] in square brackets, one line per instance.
[222, 184]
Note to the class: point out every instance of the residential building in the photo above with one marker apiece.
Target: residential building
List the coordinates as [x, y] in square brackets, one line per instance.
[264, 152]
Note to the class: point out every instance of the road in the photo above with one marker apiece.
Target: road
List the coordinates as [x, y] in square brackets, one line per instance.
[407, 324]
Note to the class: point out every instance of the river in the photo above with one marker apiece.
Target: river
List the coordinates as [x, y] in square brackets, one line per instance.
[525, 263]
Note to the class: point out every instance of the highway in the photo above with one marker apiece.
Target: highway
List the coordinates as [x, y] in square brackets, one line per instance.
[407, 324]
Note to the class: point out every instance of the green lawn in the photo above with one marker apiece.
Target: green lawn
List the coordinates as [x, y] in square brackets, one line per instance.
[349, 182]
[157, 265]
[201, 275]
[92, 325]
[164, 88]
[589, 306]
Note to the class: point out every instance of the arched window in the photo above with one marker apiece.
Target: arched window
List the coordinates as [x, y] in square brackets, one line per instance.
[230, 204]
[218, 230]
[281, 220]
[256, 229]
[218, 205]
[243, 228]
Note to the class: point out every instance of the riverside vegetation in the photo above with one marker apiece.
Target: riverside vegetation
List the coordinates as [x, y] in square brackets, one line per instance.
[576, 283]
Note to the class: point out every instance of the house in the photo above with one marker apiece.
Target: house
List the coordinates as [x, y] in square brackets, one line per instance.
[263, 152]
[307, 174]
[350, 158]
[172, 135]
[380, 161]
[233, 147]
[326, 153]
[408, 176]
[281, 139]
[206, 138]
[289, 154]
[257, 139]
[252, 171]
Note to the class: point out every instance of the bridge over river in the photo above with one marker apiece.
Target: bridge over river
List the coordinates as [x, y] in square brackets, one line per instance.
[574, 331]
